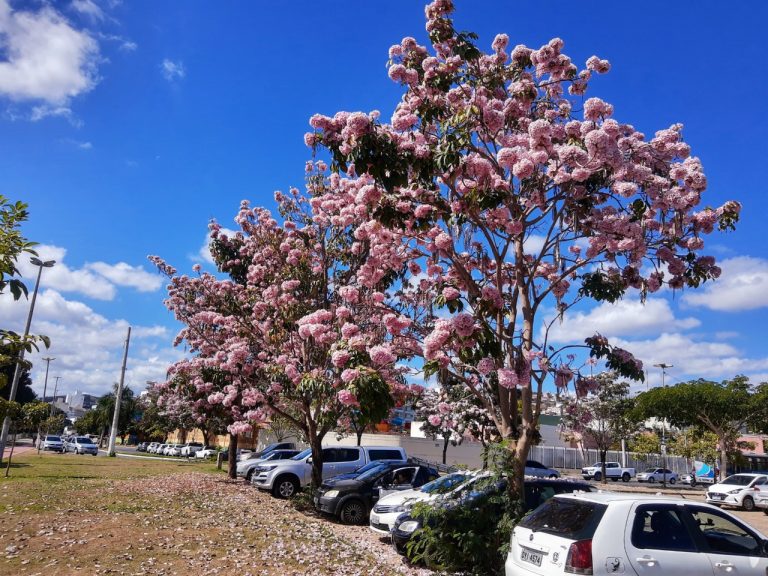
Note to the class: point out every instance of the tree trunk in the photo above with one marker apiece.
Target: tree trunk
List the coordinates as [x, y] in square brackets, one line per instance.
[317, 460]
[206, 436]
[10, 454]
[359, 433]
[445, 447]
[232, 457]
[519, 455]
[603, 454]
[723, 460]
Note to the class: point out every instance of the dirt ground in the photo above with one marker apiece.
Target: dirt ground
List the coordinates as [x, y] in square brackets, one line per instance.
[181, 521]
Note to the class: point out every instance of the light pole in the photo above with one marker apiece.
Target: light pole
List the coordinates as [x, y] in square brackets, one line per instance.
[45, 389]
[663, 447]
[20, 358]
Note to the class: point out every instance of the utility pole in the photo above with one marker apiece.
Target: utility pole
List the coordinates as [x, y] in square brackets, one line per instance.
[118, 397]
[45, 389]
[663, 446]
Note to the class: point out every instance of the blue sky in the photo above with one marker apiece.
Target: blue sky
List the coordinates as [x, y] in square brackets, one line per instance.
[127, 126]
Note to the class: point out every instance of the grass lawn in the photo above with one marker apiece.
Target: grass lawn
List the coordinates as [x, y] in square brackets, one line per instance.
[68, 514]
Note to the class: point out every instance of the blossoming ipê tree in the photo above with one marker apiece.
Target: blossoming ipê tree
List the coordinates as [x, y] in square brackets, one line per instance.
[296, 334]
[500, 192]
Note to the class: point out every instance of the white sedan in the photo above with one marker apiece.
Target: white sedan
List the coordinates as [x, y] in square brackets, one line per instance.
[623, 533]
[739, 490]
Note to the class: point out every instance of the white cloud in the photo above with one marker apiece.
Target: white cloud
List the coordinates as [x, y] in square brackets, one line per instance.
[46, 58]
[124, 274]
[173, 70]
[743, 285]
[128, 46]
[88, 347]
[96, 280]
[691, 358]
[625, 318]
[89, 8]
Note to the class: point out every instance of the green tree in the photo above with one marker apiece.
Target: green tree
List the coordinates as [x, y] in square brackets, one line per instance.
[12, 245]
[601, 414]
[723, 408]
[99, 419]
[24, 393]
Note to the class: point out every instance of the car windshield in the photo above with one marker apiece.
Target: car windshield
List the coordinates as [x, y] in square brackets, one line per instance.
[565, 517]
[443, 484]
[372, 472]
[84, 440]
[303, 454]
[738, 480]
[53, 439]
[650, 470]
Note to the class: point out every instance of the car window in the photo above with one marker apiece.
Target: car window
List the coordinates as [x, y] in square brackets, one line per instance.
[84, 440]
[566, 517]
[372, 472]
[303, 454]
[443, 484]
[53, 438]
[723, 535]
[660, 527]
[348, 454]
[738, 480]
[534, 464]
[403, 476]
[385, 454]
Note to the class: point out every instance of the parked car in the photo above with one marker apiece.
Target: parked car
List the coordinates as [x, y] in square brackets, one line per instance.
[623, 533]
[286, 477]
[207, 452]
[537, 490]
[245, 468]
[351, 499]
[652, 475]
[82, 445]
[534, 468]
[613, 470]
[389, 507]
[739, 490]
[190, 448]
[142, 446]
[53, 443]
[246, 454]
[174, 450]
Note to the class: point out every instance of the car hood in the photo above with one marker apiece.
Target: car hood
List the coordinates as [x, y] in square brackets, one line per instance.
[403, 496]
[338, 483]
[726, 487]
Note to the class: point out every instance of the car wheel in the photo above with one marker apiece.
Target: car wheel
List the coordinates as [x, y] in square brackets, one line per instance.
[615, 479]
[249, 476]
[285, 487]
[693, 482]
[651, 479]
[352, 512]
[598, 476]
[748, 504]
[672, 480]
[553, 476]
[765, 511]
[625, 477]
[77, 451]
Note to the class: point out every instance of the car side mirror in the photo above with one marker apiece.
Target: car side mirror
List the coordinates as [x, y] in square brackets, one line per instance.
[309, 460]
[765, 547]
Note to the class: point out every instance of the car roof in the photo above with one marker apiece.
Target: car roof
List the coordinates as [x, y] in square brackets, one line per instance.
[607, 497]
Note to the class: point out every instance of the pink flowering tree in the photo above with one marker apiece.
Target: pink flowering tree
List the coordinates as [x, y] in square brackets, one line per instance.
[325, 352]
[600, 413]
[449, 412]
[498, 193]
[222, 377]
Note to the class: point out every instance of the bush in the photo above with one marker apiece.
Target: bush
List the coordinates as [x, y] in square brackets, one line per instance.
[469, 535]
[303, 501]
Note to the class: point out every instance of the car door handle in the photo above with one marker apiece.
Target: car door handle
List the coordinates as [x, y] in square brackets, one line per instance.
[727, 566]
[650, 560]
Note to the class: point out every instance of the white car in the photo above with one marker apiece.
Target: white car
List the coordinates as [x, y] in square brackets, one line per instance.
[53, 443]
[739, 490]
[537, 469]
[624, 533]
[389, 507]
[207, 452]
[652, 475]
[190, 448]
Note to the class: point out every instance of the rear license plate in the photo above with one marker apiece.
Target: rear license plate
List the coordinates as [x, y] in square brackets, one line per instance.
[530, 556]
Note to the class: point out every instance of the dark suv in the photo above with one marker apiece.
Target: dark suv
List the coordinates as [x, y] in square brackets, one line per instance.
[537, 491]
[351, 499]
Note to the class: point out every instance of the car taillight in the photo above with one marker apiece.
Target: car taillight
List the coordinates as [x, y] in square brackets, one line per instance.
[579, 560]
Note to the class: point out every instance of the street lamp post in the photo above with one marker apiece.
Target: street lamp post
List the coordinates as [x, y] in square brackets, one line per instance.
[45, 389]
[20, 359]
[663, 367]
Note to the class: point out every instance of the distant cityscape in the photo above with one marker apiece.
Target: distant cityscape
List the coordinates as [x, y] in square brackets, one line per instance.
[74, 405]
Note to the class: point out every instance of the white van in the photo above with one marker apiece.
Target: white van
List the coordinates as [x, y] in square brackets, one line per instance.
[286, 477]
